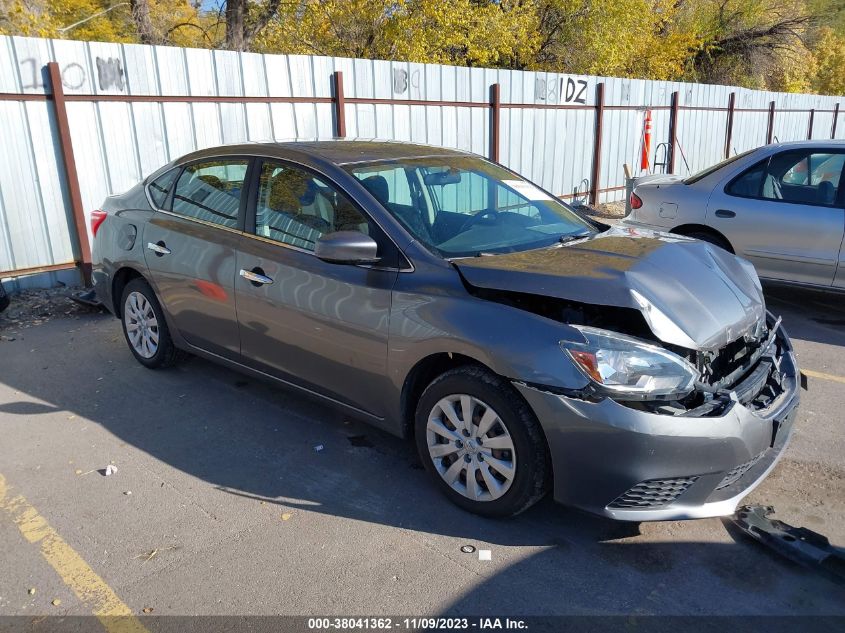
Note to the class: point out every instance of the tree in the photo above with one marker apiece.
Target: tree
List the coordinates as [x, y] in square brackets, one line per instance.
[792, 45]
[141, 15]
[629, 38]
[458, 32]
[829, 54]
[756, 43]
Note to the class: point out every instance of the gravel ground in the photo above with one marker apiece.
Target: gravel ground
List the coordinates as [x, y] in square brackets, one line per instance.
[29, 308]
[218, 474]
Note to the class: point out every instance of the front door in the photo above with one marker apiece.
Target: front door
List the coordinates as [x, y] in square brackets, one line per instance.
[786, 215]
[190, 247]
[323, 326]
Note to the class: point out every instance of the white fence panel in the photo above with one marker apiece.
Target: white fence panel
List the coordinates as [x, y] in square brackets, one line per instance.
[547, 122]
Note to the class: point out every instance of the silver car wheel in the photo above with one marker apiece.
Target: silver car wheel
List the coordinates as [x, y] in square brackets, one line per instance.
[141, 324]
[471, 447]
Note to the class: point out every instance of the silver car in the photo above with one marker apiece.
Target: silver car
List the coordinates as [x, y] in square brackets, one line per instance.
[779, 206]
[444, 298]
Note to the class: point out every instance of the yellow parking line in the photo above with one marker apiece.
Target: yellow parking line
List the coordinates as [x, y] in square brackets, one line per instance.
[823, 376]
[114, 615]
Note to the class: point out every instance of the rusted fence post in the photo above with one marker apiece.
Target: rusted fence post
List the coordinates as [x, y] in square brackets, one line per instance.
[810, 126]
[71, 175]
[833, 125]
[339, 105]
[729, 127]
[594, 184]
[495, 115]
[673, 130]
[770, 132]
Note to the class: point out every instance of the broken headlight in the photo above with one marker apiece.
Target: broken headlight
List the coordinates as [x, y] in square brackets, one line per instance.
[628, 368]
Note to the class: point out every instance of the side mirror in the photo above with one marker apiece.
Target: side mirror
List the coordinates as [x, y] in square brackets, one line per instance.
[441, 178]
[347, 247]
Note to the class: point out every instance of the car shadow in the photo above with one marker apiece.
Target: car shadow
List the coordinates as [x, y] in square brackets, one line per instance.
[808, 315]
[254, 440]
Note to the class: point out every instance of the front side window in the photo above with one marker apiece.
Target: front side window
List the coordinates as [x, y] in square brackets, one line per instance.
[160, 188]
[796, 176]
[296, 208]
[459, 206]
[211, 191]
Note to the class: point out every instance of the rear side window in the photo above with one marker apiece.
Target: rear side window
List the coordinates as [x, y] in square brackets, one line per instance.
[796, 176]
[160, 188]
[211, 191]
[749, 184]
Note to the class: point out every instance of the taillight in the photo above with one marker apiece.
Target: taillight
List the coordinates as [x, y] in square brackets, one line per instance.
[97, 218]
[636, 201]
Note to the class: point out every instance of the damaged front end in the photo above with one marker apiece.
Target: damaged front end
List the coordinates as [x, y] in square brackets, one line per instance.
[745, 370]
[685, 390]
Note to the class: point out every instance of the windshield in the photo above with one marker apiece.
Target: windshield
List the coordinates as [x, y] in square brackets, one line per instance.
[460, 206]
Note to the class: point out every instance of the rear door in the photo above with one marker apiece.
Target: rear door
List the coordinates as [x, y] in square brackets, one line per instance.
[190, 245]
[786, 214]
[320, 325]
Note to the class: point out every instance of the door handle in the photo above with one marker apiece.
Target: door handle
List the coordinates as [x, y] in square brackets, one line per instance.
[158, 248]
[724, 213]
[256, 276]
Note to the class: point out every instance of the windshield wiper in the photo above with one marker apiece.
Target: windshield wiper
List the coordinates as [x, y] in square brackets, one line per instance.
[564, 239]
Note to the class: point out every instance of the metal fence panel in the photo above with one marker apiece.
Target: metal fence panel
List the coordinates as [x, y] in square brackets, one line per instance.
[547, 122]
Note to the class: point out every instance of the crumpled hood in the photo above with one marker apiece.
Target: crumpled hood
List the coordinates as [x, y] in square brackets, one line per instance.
[691, 293]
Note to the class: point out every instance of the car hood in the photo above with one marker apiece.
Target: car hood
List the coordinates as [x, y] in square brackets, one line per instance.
[691, 293]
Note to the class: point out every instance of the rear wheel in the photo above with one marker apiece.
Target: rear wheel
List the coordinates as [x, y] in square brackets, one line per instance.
[711, 238]
[481, 443]
[145, 328]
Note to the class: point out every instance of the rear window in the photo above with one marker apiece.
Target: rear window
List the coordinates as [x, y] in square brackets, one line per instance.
[160, 188]
[706, 172]
[211, 191]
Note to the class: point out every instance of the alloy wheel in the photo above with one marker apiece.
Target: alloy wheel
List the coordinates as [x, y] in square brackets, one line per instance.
[141, 325]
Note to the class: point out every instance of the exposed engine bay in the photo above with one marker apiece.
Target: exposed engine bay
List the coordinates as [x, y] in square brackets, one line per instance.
[744, 371]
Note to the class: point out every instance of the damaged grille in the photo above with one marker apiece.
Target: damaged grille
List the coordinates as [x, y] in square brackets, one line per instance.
[748, 366]
[717, 366]
[653, 493]
[736, 474]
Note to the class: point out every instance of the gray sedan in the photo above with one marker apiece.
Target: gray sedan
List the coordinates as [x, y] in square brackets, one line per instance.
[780, 206]
[444, 298]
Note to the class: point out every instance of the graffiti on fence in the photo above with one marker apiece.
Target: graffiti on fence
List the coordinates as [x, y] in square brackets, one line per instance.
[110, 74]
[402, 81]
[560, 90]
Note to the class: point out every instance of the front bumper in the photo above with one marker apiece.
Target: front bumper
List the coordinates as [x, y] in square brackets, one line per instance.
[634, 465]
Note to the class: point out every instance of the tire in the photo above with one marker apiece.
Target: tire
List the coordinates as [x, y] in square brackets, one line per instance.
[150, 342]
[514, 423]
[710, 238]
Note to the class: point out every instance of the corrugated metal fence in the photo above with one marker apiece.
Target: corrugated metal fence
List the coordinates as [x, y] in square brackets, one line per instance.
[82, 120]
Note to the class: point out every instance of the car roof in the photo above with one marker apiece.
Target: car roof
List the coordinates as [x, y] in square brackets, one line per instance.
[338, 152]
[817, 142]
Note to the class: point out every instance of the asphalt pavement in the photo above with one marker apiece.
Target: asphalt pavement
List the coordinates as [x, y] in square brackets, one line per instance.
[223, 504]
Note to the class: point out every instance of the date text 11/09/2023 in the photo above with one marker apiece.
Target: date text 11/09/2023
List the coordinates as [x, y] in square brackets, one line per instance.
[415, 624]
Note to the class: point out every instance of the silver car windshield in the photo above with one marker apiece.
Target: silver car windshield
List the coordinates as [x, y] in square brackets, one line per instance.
[464, 206]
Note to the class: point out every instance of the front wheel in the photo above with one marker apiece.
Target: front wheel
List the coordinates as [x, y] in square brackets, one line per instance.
[145, 328]
[481, 443]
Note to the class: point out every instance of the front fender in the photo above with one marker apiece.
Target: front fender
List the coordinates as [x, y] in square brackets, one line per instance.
[429, 318]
